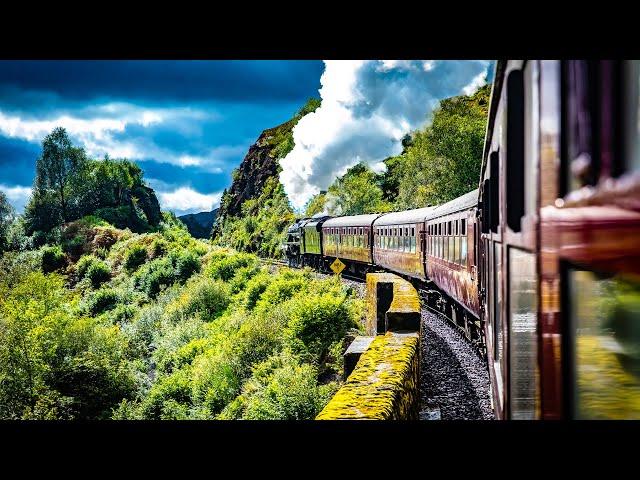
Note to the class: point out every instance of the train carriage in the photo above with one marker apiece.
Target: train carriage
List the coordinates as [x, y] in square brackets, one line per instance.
[544, 257]
[450, 256]
[450, 261]
[396, 242]
[560, 224]
[311, 241]
[349, 239]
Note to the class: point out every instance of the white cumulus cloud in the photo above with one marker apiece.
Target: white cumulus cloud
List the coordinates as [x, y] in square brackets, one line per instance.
[186, 200]
[367, 107]
[97, 128]
[17, 195]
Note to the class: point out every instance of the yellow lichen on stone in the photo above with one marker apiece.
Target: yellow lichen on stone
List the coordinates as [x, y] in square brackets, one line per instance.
[405, 297]
[373, 280]
[384, 384]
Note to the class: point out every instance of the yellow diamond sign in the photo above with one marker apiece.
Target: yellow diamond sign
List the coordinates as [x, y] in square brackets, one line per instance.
[337, 266]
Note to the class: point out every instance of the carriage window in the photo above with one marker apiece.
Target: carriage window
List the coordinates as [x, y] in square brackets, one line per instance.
[486, 206]
[445, 247]
[463, 250]
[581, 163]
[452, 251]
[631, 79]
[523, 340]
[463, 227]
[456, 249]
[494, 192]
[605, 313]
[515, 149]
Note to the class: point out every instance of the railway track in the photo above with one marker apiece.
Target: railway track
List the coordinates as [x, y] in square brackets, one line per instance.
[284, 263]
[454, 378]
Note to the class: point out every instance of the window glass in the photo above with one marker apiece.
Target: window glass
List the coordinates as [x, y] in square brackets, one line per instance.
[632, 118]
[463, 227]
[456, 249]
[523, 344]
[497, 261]
[445, 247]
[605, 319]
[452, 250]
[463, 250]
[413, 244]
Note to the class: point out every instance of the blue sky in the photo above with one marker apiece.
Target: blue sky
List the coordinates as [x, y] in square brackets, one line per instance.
[188, 124]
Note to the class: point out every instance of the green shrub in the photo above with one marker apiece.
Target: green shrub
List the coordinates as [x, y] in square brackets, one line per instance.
[98, 272]
[227, 266]
[123, 217]
[140, 332]
[209, 298]
[154, 276]
[281, 289]
[165, 393]
[170, 338]
[74, 246]
[158, 247]
[243, 275]
[258, 337]
[102, 300]
[84, 263]
[255, 288]
[52, 259]
[122, 313]
[135, 257]
[316, 322]
[284, 389]
[186, 264]
[96, 381]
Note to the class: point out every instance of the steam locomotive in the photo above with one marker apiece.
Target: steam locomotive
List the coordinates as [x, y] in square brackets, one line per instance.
[540, 266]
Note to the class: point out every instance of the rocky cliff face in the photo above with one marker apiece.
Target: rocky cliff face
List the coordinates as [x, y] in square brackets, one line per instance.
[259, 165]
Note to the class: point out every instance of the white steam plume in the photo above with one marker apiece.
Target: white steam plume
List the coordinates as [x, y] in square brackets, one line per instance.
[367, 107]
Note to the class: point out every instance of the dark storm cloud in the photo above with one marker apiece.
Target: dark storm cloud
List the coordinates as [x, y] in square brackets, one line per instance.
[186, 123]
[166, 81]
[17, 161]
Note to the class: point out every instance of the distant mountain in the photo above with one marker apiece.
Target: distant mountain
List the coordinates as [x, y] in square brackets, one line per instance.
[200, 224]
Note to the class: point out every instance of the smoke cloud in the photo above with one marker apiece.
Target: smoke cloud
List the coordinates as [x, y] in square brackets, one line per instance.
[367, 107]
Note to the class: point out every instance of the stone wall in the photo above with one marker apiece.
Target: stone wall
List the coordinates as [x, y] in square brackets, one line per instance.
[385, 383]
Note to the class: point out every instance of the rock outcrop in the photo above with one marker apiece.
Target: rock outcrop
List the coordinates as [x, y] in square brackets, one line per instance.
[261, 163]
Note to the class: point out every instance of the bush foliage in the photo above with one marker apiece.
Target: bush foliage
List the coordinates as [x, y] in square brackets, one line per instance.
[162, 326]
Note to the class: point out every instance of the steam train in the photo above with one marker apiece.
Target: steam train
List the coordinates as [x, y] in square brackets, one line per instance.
[540, 266]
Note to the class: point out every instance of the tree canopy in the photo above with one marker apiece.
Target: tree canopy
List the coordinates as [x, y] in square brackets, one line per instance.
[6, 215]
[70, 185]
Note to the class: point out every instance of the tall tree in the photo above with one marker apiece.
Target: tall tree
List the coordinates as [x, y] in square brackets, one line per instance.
[443, 160]
[6, 216]
[59, 163]
[356, 192]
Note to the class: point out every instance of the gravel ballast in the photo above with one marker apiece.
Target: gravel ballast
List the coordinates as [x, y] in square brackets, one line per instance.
[454, 379]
